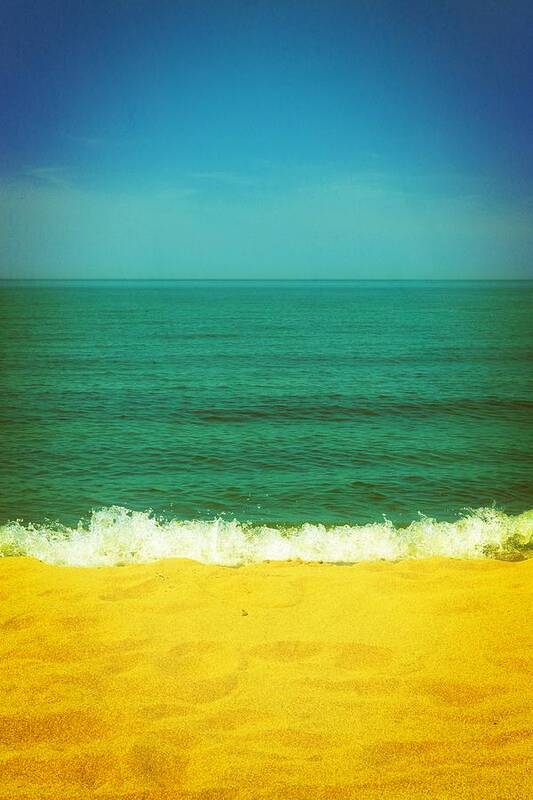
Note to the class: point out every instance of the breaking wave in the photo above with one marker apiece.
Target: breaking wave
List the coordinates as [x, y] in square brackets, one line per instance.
[115, 536]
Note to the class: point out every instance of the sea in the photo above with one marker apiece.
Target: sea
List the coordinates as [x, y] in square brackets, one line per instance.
[238, 421]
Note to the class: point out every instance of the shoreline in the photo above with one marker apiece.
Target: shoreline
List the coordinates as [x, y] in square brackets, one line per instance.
[114, 536]
[175, 679]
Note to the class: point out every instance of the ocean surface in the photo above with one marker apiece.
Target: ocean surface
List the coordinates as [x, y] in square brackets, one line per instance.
[233, 421]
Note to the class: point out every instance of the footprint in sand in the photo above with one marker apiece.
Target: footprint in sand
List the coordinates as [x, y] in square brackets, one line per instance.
[138, 590]
[17, 623]
[348, 656]
[258, 591]
[200, 672]
[288, 651]
[456, 694]
[58, 728]
[358, 655]
[161, 762]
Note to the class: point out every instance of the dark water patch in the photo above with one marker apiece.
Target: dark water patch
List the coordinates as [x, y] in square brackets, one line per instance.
[300, 410]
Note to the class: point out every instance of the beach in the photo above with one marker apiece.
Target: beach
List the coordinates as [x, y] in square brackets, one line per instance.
[177, 679]
[266, 400]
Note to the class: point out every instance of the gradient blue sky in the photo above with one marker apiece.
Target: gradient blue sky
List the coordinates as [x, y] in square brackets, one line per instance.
[266, 139]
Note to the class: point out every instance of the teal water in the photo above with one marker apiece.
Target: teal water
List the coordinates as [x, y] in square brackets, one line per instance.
[271, 403]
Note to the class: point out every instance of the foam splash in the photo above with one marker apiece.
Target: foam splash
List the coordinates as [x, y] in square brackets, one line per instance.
[115, 536]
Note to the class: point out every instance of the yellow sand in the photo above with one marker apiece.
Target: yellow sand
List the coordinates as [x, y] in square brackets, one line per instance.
[177, 680]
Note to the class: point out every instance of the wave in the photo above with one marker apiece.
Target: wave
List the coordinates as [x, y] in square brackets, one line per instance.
[116, 536]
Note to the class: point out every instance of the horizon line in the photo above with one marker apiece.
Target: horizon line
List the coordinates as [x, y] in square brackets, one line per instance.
[262, 280]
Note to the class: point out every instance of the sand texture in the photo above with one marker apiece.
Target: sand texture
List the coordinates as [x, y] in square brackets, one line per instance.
[278, 680]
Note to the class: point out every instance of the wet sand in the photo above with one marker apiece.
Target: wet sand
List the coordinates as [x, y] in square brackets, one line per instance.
[278, 680]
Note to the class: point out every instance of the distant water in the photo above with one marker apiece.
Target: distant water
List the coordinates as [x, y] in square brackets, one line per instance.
[289, 405]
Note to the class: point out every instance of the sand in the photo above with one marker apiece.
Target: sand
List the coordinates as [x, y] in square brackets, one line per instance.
[277, 680]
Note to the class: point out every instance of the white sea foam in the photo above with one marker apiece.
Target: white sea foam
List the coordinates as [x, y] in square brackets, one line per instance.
[116, 536]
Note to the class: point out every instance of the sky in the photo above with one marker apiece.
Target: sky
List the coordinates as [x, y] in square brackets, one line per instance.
[291, 139]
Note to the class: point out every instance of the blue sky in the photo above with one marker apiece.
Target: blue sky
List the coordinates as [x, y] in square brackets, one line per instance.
[266, 139]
